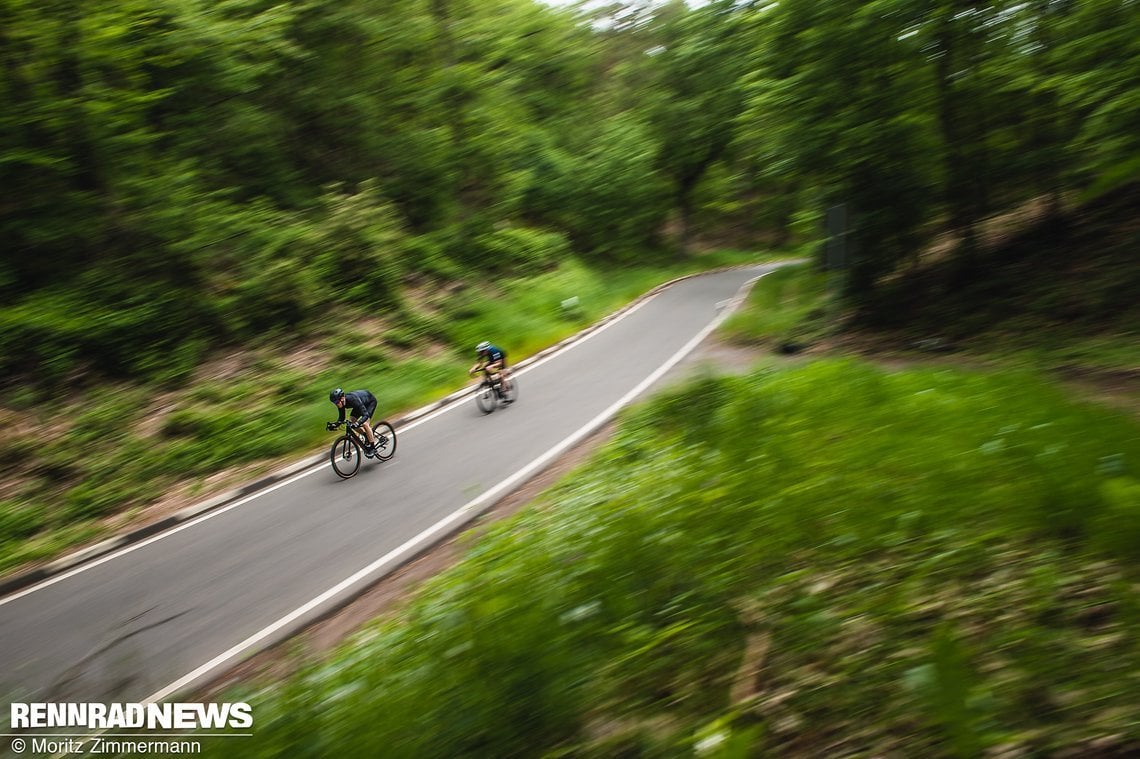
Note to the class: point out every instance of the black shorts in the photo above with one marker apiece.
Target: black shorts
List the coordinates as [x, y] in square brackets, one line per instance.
[369, 410]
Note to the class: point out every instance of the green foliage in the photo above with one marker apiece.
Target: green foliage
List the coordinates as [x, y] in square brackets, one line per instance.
[880, 551]
[840, 106]
[523, 251]
[699, 70]
[19, 520]
[619, 198]
[609, 197]
[355, 249]
[1096, 78]
[1117, 527]
[202, 174]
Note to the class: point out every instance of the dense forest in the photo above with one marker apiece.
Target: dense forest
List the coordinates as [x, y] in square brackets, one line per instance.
[192, 173]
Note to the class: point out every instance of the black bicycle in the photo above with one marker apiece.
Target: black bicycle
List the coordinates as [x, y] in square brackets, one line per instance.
[349, 448]
[490, 393]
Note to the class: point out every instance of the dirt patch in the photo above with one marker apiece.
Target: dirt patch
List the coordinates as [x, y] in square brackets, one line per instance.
[1119, 389]
[307, 358]
[721, 356]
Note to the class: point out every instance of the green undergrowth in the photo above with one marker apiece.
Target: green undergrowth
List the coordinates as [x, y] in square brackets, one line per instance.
[827, 560]
[116, 447]
[787, 310]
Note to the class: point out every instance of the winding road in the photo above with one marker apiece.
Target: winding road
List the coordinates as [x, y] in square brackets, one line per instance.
[162, 615]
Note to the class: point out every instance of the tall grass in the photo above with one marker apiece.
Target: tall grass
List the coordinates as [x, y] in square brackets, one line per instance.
[828, 560]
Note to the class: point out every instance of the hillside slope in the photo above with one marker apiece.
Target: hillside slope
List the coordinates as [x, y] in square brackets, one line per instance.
[1064, 289]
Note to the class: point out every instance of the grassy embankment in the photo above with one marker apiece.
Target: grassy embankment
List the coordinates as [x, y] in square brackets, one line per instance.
[122, 447]
[831, 559]
[823, 560]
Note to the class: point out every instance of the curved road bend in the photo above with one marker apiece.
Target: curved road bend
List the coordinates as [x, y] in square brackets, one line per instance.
[127, 628]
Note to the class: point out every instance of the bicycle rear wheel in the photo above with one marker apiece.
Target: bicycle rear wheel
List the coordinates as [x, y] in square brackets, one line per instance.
[387, 449]
[345, 456]
[512, 391]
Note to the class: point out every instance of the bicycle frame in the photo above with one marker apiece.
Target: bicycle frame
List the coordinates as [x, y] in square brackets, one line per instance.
[348, 449]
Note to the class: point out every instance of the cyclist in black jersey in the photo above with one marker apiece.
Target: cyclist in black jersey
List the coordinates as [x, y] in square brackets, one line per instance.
[363, 405]
[493, 359]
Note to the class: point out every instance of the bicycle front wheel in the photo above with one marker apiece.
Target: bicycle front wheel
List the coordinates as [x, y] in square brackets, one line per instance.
[345, 456]
[385, 440]
[485, 399]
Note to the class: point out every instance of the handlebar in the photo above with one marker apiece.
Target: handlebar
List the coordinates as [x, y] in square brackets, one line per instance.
[330, 426]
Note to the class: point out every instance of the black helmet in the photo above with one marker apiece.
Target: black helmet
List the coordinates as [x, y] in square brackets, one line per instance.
[336, 395]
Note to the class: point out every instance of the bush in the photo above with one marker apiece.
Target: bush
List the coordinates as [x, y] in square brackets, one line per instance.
[1116, 529]
[355, 248]
[521, 250]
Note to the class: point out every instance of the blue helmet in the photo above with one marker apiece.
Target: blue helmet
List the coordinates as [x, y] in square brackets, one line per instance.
[336, 395]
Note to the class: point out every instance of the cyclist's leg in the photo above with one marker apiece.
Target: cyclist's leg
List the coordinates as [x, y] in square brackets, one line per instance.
[504, 374]
[368, 449]
[367, 423]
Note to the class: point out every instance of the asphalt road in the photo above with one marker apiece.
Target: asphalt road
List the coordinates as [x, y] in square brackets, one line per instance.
[165, 612]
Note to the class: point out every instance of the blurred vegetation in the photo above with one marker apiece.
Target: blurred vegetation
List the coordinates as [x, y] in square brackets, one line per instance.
[829, 559]
[199, 174]
[787, 310]
[1054, 293]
